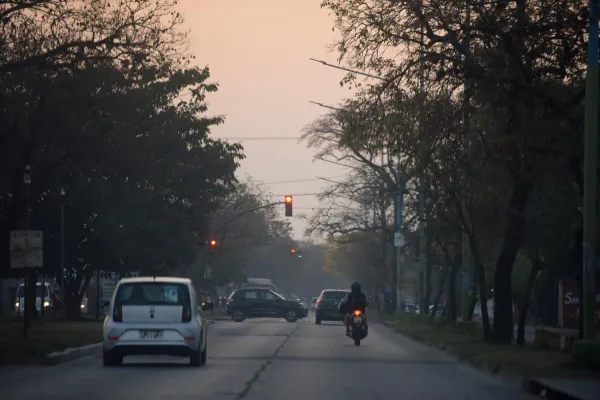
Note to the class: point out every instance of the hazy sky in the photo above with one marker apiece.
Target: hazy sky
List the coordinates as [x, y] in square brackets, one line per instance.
[258, 52]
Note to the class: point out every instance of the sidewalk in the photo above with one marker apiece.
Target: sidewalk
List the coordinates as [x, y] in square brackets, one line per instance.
[565, 388]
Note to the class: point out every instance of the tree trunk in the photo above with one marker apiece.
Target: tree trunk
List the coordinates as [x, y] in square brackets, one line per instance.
[74, 291]
[428, 261]
[525, 304]
[480, 288]
[451, 305]
[503, 306]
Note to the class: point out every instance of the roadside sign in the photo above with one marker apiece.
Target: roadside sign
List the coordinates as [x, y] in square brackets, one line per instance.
[26, 249]
[398, 239]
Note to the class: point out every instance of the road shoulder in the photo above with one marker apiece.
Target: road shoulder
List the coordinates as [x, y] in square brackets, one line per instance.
[530, 367]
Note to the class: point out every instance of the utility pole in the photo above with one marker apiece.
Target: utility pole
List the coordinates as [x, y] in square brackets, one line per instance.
[466, 269]
[422, 238]
[399, 237]
[29, 306]
[61, 273]
[590, 178]
[98, 289]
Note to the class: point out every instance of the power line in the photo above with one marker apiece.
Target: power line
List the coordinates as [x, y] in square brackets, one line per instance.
[242, 138]
[305, 180]
[296, 194]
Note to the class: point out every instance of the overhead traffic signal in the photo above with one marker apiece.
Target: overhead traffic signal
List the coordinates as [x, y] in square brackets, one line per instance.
[288, 205]
[213, 245]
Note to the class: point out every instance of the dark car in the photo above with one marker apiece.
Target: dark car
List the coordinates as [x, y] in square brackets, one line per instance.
[261, 303]
[327, 305]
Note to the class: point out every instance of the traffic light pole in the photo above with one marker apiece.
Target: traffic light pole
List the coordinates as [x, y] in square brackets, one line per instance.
[205, 260]
[236, 216]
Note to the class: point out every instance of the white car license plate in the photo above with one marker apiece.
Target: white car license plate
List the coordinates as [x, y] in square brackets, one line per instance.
[357, 320]
[151, 335]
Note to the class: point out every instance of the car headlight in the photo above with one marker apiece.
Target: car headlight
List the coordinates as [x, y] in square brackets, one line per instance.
[46, 304]
[17, 304]
[83, 306]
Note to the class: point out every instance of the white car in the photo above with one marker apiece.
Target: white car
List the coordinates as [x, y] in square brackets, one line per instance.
[42, 295]
[157, 316]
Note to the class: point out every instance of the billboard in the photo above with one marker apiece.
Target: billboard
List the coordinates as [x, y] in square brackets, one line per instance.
[569, 304]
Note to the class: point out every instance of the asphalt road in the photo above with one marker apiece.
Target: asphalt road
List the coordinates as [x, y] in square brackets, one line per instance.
[270, 360]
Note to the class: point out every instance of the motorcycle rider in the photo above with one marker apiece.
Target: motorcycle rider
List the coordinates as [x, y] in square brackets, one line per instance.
[355, 300]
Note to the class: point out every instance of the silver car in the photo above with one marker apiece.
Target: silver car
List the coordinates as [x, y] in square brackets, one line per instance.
[157, 316]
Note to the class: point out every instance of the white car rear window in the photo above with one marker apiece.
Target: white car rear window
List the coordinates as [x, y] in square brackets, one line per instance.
[152, 293]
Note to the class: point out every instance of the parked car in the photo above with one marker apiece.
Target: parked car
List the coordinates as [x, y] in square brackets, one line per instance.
[42, 297]
[411, 308]
[261, 303]
[155, 315]
[327, 305]
[304, 308]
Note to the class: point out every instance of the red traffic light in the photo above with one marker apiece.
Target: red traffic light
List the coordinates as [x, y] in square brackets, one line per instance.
[213, 243]
[288, 205]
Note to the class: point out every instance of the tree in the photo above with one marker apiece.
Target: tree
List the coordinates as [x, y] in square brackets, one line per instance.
[59, 34]
[515, 66]
[136, 173]
[48, 46]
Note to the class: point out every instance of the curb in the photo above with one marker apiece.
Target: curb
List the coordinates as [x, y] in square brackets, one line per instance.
[538, 388]
[75, 353]
[219, 319]
[529, 385]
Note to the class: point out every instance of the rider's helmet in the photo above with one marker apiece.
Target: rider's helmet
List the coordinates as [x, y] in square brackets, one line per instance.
[355, 287]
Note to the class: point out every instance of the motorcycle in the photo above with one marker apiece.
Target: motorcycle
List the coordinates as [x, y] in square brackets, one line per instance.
[358, 329]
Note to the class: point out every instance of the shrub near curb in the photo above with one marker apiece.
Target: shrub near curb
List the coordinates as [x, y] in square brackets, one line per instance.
[464, 342]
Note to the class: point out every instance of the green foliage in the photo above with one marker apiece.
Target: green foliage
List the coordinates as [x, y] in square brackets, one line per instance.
[501, 159]
[101, 105]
